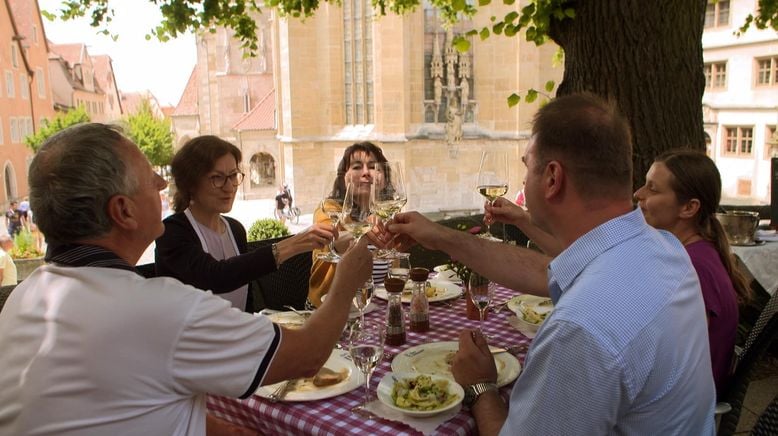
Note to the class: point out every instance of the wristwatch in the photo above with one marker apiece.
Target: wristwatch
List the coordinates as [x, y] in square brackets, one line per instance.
[472, 392]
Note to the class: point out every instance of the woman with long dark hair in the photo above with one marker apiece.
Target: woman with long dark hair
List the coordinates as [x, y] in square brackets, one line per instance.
[358, 166]
[681, 195]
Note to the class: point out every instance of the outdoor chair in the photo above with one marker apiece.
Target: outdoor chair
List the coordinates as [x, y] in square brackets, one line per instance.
[288, 286]
[760, 340]
[5, 291]
[767, 424]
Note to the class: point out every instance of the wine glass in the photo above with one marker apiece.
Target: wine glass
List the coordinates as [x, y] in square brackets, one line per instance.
[493, 179]
[356, 211]
[389, 196]
[331, 205]
[400, 267]
[362, 298]
[481, 292]
[366, 346]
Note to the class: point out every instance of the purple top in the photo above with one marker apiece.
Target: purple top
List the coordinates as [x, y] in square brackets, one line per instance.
[720, 305]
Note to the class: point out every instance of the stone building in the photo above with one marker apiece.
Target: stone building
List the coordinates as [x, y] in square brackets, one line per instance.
[740, 104]
[73, 81]
[345, 75]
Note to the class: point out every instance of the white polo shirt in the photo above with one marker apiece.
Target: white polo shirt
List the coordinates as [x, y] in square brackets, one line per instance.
[103, 351]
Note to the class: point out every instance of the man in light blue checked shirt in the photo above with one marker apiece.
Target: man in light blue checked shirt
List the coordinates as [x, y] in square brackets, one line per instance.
[625, 350]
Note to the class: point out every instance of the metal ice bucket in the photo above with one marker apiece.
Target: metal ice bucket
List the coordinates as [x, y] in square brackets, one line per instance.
[740, 226]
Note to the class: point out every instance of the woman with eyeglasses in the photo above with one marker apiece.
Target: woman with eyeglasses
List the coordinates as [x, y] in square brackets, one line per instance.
[206, 249]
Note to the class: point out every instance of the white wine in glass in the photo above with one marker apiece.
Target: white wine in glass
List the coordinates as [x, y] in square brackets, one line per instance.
[331, 205]
[492, 179]
[357, 208]
[389, 196]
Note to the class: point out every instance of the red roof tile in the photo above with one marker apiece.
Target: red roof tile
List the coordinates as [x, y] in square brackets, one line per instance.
[261, 117]
[187, 105]
[72, 53]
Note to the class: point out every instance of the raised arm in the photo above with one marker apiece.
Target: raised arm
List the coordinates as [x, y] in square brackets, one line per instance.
[515, 267]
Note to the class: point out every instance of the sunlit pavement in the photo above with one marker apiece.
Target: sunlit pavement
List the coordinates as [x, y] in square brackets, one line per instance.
[247, 211]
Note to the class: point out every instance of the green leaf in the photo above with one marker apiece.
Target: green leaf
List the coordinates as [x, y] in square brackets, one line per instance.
[532, 95]
[484, 33]
[511, 16]
[509, 2]
[471, 32]
[497, 28]
[513, 100]
[511, 30]
[461, 44]
[570, 12]
[484, 2]
[549, 86]
[458, 5]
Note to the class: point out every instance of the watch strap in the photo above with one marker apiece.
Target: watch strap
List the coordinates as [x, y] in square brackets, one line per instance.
[472, 392]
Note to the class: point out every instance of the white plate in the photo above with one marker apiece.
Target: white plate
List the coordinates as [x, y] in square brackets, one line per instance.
[531, 301]
[384, 393]
[289, 319]
[432, 359]
[305, 390]
[446, 291]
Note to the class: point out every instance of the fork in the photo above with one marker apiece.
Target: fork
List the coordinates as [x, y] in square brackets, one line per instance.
[280, 391]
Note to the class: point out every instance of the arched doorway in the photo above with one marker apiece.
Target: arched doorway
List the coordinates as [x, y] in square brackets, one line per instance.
[263, 170]
[10, 181]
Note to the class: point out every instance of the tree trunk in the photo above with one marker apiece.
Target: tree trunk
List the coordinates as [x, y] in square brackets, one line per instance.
[647, 57]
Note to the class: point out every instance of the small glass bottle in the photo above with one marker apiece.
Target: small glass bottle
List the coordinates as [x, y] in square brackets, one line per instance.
[420, 308]
[395, 317]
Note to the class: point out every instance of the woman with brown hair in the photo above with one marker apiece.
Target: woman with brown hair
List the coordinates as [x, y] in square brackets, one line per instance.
[206, 249]
[357, 165]
[681, 195]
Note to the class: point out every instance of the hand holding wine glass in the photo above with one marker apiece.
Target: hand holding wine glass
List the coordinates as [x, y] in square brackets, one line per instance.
[493, 179]
[366, 346]
[389, 196]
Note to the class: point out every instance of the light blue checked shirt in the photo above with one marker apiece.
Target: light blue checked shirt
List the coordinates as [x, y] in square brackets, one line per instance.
[625, 350]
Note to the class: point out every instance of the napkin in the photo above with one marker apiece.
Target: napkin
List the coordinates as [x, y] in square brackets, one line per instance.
[424, 425]
[514, 322]
[766, 235]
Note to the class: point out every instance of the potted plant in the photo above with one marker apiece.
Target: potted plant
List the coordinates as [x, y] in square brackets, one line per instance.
[26, 254]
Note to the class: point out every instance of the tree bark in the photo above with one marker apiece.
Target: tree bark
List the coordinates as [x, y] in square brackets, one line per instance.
[647, 57]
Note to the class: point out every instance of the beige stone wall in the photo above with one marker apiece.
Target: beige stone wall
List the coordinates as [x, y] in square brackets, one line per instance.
[437, 176]
[307, 62]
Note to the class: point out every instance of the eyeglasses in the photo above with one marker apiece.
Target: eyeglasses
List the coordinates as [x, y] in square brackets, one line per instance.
[218, 181]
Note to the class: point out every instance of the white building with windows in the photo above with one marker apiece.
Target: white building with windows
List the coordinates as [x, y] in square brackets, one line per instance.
[740, 105]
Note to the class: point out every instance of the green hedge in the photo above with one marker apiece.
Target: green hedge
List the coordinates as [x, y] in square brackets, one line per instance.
[267, 228]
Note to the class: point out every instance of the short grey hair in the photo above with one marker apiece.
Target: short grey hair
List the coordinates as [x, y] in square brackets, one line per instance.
[73, 176]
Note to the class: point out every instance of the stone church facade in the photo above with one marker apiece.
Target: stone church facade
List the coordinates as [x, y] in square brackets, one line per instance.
[346, 75]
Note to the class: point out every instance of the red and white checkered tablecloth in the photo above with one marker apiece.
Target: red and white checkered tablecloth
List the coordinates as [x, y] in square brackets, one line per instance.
[333, 416]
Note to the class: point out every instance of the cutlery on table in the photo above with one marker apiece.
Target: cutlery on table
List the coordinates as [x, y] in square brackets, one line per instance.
[281, 391]
[513, 349]
[300, 314]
